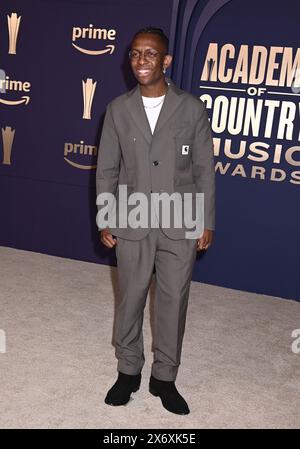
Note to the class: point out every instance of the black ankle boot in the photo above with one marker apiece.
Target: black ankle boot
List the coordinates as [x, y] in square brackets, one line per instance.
[170, 398]
[120, 392]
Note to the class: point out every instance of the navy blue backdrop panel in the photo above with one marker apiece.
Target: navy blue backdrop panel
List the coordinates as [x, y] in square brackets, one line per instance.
[71, 58]
[63, 61]
[257, 239]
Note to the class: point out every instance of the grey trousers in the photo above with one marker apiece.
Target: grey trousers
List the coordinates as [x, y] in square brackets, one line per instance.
[173, 260]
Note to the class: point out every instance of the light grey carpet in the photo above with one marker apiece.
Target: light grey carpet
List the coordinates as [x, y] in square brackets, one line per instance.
[238, 369]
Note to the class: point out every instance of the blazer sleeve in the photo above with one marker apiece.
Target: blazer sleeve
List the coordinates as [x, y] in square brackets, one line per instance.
[109, 156]
[203, 166]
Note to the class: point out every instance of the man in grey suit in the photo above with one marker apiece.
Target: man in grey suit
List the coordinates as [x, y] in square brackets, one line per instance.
[155, 139]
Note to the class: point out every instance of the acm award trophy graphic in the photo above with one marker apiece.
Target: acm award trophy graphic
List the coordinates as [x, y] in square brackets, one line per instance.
[13, 29]
[8, 135]
[88, 88]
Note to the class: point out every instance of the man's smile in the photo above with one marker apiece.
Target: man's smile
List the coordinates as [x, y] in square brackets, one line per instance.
[143, 72]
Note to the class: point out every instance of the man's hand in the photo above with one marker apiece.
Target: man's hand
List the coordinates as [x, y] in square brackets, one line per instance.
[205, 240]
[107, 238]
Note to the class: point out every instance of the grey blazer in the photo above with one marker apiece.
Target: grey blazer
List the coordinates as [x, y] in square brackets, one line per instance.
[129, 153]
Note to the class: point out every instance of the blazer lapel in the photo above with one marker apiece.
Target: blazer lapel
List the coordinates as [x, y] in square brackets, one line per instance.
[136, 108]
[172, 101]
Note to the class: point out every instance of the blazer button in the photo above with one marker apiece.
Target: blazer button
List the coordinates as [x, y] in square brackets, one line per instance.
[155, 162]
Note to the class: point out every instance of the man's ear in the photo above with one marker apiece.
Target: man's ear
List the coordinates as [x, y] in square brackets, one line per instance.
[167, 61]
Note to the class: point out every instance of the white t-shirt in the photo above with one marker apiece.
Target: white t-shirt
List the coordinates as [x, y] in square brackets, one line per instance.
[152, 107]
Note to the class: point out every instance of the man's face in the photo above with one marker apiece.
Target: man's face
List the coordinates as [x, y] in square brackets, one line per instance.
[148, 59]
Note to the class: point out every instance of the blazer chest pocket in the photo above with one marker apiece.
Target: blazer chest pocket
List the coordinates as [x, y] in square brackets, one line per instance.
[184, 148]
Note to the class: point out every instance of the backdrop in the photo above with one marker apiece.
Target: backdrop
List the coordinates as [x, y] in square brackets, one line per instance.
[63, 61]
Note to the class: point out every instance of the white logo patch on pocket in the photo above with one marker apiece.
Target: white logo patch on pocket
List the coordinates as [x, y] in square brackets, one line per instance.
[185, 149]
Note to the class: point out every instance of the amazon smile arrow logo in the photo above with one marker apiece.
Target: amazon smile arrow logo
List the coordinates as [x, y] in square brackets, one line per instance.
[82, 151]
[10, 85]
[15, 102]
[109, 49]
[94, 33]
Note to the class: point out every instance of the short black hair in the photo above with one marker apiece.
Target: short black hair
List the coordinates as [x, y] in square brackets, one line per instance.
[153, 30]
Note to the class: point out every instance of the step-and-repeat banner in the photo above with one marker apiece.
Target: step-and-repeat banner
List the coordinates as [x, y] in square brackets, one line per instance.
[242, 59]
[61, 62]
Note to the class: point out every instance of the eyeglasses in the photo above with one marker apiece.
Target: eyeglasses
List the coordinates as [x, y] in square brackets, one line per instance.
[150, 55]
